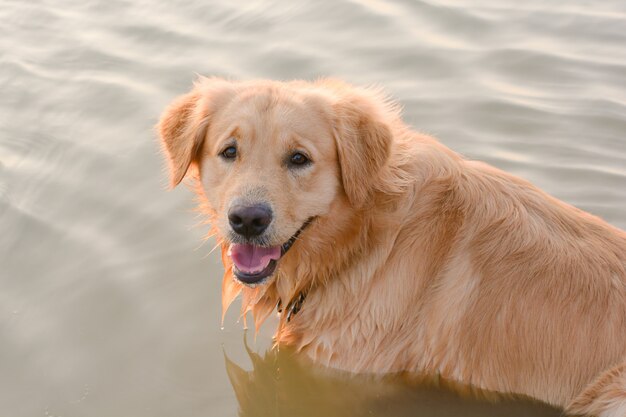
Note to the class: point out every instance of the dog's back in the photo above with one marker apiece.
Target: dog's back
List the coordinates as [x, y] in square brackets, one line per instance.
[550, 309]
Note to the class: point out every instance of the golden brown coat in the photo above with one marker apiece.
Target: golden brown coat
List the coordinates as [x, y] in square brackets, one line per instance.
[418, 260]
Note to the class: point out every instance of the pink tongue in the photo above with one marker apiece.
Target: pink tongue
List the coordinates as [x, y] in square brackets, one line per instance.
[251, 259]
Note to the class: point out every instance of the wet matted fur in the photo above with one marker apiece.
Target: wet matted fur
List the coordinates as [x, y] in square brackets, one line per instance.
[416, 259]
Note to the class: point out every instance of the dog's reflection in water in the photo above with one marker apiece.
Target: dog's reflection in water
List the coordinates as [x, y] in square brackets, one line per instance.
[283, 383]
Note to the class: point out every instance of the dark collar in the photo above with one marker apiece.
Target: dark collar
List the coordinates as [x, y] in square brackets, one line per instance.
[293, 306]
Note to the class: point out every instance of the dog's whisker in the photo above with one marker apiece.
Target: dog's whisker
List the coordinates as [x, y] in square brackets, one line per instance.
[214, 247]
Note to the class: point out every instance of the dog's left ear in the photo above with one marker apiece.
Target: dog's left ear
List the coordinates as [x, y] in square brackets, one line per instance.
[363, 145]
[184, 123]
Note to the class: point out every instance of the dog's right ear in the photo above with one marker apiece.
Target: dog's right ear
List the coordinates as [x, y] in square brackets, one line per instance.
[184, 124]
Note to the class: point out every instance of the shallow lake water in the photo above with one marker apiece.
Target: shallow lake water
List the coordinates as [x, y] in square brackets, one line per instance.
[109, 299]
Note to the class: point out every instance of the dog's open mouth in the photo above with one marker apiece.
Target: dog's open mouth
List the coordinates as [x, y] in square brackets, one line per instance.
[252, 264]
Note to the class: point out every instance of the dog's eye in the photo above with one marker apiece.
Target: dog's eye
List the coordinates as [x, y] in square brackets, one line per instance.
[298, 159]
[229, 153]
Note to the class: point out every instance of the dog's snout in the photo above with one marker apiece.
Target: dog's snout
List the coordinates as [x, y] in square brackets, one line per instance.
[250, 221]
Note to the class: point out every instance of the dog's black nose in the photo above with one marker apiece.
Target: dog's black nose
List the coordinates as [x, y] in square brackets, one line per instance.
[250, 221]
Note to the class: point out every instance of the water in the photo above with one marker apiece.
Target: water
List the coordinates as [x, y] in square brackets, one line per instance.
[109, 301]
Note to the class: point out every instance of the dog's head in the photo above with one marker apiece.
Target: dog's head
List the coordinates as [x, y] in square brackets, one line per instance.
[277, 162]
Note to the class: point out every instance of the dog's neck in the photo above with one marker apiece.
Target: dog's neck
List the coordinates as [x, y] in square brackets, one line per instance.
[337, 268]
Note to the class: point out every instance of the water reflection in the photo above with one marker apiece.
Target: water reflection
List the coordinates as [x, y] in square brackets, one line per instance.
[282, 383]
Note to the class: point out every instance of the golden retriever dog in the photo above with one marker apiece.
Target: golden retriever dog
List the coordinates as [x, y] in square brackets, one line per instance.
[385, 251]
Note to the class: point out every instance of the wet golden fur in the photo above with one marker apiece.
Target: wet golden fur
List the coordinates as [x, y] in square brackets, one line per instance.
[418, 259]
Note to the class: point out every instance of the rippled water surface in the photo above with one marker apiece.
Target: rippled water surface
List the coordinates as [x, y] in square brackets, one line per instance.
[109, 301]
